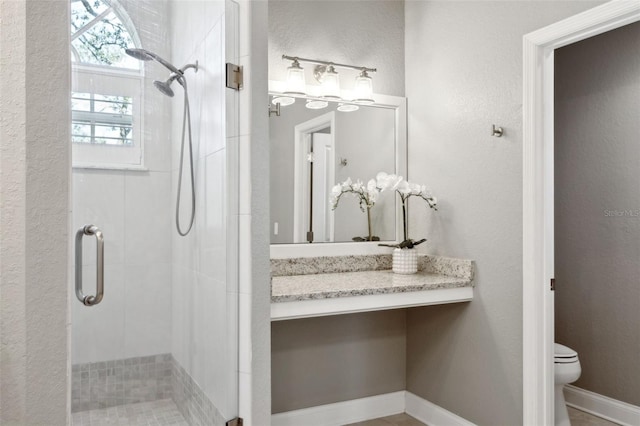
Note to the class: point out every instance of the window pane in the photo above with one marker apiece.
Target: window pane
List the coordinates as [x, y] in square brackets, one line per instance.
[117, 135]
[113, 104]
[81, 129]
[83, 12]
[80, 139]
[112, 98]
[103, 43]
[80, 102]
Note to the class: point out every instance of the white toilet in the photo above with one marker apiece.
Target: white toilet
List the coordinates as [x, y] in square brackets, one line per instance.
[566, 370]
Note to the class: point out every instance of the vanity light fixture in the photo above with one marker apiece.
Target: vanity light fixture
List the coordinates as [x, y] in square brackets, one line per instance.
[326, 74]
[363, 90]
[316, 104]
[330, 82]
[348, 107]
[295, 84]
[283, 100]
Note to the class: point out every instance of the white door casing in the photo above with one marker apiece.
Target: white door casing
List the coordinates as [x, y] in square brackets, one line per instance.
[538, 196]
[301, 190]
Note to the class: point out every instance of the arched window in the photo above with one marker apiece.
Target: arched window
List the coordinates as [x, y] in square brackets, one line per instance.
[106, 86]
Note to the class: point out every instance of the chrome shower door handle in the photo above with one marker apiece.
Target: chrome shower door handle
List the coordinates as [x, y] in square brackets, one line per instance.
[90, 230]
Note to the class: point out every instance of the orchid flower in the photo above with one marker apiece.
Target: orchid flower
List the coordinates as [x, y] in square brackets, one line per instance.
[367, 196]
[406, 190]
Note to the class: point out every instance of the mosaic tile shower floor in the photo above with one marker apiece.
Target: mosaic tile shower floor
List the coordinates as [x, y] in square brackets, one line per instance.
[161, 412]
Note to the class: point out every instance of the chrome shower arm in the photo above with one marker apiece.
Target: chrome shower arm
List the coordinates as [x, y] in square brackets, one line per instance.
[186, 67]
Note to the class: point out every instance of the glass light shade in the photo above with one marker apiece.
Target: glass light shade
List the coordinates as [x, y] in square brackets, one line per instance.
[283, 100]
[295, 84]
[348, 107]
[331, 84]
[363, 90]
[316, 104]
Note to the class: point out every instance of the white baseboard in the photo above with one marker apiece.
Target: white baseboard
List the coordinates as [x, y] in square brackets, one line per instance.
[602, 406]
[341, 413]
[431, 414]
[359, 410]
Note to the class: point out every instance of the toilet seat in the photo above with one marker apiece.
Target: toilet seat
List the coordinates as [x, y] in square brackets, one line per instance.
[563, 354]
[566, 369]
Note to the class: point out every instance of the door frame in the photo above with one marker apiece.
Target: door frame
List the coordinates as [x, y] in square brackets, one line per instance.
[301, 195]
[538, 196]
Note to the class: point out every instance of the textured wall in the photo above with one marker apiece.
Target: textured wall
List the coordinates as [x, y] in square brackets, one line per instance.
[34, 177]
[255, 302]
[360, 33]
[324, 360]
[598, 209]
[464, 73]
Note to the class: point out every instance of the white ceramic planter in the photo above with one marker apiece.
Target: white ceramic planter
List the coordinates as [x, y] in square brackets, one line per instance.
[405, 261]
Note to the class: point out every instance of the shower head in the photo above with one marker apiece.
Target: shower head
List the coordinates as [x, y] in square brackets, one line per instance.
[145, 55]
[165, 86]
[176, 74]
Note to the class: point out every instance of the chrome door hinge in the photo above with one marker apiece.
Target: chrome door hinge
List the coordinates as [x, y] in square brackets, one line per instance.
[234, 76]
[235, 422]
[553, 284]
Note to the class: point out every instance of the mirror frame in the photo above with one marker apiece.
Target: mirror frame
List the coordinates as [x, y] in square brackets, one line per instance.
[287, 251]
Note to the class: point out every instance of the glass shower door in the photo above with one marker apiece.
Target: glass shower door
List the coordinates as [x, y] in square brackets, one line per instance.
[161, 345]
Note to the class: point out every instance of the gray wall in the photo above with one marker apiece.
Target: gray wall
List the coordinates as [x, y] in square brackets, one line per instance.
[598, 209]
[464, 73]
[347, 32]
[324, 360]
[367, 33]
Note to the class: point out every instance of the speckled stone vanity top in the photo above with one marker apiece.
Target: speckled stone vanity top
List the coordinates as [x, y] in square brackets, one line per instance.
[346, 276]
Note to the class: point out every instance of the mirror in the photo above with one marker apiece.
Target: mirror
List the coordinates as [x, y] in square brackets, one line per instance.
[314, 149]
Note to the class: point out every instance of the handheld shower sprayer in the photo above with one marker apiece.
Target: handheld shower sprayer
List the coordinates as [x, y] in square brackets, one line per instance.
[176, 73]
[165, 88]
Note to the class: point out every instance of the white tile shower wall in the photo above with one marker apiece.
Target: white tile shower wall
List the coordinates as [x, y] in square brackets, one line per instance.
[134, 210]
[204, 272]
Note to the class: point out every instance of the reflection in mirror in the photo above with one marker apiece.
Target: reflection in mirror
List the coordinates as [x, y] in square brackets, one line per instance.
[314, 149]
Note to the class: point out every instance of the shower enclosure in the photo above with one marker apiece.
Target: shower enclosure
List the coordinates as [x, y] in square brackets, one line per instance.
[159, 343]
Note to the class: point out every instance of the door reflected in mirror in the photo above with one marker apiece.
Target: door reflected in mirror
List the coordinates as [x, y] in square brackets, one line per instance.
[312, 150]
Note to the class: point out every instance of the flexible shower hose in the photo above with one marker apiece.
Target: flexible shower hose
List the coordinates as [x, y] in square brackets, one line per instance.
[186, 124]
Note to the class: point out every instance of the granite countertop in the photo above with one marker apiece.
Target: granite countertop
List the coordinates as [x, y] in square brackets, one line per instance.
[345, 284]
[301, 279]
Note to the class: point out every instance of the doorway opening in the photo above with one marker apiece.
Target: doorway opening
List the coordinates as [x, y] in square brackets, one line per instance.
[538, 196]
[314, 176]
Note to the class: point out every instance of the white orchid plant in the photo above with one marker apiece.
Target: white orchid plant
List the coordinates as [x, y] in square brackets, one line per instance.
[405, 190]
[368, 195]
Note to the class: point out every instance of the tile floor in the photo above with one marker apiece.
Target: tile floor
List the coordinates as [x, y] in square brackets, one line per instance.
[395, 420]
[161, 412]
[580, 418]
[165, 412]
